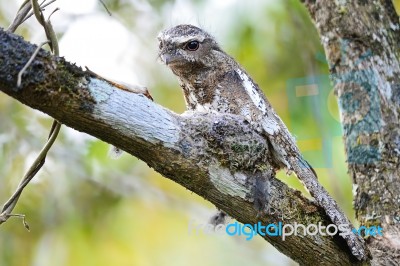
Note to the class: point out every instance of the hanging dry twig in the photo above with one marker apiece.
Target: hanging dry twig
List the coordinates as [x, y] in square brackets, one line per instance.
[22, 15]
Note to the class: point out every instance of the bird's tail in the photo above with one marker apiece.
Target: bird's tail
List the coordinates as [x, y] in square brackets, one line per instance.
[309, 178]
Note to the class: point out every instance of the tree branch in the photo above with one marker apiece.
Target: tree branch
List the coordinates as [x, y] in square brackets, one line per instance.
[213, 155]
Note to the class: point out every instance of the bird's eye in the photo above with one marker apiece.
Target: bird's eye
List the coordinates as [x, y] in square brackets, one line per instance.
[192, 45]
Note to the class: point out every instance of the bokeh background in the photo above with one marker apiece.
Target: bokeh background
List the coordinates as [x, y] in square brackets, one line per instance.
[85, 208]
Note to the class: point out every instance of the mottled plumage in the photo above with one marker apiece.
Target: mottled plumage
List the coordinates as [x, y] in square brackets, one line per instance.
[213, 81]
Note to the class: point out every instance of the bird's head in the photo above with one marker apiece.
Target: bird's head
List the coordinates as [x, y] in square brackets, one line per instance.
[187, 49]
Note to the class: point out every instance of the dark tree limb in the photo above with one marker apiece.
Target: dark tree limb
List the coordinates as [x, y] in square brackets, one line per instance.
[212, 155]
[362, 44]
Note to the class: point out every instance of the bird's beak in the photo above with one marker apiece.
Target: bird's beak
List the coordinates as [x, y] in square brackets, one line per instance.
[170, 59]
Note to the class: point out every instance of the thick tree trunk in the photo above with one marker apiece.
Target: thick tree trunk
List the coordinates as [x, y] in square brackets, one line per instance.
[361, 41]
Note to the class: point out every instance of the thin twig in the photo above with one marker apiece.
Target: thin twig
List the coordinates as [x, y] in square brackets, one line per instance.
[54, 11]
[22, 216]
[51, 36]
[38, 12]
[24, 14]
[36, 165]
[21, 16]
[105, 7]
[30, 14]
[29, 63]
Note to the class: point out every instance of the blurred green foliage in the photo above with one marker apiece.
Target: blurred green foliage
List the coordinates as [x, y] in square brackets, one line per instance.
[85, 208]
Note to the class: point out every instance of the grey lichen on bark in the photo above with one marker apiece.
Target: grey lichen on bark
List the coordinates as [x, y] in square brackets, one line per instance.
[362, 44]
[217, 156]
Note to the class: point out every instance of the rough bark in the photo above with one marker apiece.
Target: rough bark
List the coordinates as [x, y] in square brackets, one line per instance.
[212, 155]
[361, 40]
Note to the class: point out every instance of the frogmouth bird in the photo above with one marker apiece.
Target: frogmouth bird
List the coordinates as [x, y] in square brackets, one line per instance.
[212, 81]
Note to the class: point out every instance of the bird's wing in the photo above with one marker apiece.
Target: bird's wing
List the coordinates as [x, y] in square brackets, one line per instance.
[286, 151]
